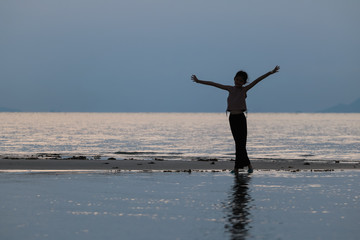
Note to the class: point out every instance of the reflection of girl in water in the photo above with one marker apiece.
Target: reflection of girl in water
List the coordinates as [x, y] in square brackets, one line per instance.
[237, 107]
[238, 208]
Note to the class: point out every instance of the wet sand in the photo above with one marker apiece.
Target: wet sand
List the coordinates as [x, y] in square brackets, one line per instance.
[95, 205]
[173, 165]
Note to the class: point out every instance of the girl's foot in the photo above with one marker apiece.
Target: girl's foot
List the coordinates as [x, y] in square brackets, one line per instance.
[235, 171]
[250, 169]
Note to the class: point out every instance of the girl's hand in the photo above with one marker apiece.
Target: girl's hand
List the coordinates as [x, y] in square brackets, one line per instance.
[194, 78]
[275, 70]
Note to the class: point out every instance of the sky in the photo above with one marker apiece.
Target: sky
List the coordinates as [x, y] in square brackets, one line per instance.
[139, 55]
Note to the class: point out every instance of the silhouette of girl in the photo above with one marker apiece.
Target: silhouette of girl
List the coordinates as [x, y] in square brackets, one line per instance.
[236, 105]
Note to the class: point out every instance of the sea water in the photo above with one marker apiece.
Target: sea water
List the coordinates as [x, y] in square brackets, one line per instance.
[187, 136]
[271, 205]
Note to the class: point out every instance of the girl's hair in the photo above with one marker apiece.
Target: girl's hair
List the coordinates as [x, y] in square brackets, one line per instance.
[242, 74]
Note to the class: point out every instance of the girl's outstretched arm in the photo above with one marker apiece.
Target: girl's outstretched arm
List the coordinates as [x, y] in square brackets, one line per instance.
[218, 85]
[252, 84]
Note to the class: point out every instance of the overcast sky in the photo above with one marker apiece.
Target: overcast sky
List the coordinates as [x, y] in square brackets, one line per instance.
[138, 55]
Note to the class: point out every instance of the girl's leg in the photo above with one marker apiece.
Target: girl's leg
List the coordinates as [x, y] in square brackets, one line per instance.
[239, 131]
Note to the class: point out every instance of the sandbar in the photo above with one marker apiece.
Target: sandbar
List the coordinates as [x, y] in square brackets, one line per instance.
[171, 165]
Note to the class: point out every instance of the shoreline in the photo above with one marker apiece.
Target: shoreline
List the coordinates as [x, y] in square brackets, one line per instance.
[168, 166]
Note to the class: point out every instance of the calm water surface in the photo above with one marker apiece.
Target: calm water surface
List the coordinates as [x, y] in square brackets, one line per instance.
[265, 205]
[179, 135]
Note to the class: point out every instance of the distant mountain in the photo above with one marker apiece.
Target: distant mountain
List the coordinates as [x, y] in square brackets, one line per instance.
[353, 107]
[4, 109]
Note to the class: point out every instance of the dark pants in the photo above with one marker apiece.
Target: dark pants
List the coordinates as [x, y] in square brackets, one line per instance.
[239, 131]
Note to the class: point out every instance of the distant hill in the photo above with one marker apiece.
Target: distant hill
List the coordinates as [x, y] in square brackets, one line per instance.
[353, 107]
[4, 109]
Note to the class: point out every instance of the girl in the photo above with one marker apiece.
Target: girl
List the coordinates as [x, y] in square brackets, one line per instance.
[236, 105]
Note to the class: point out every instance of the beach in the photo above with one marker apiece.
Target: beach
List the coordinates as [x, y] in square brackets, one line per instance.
[171, 165]
[168, 176]
[101, 203]
[79, 198]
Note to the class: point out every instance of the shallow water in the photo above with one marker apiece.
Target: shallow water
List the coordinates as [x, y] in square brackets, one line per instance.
[264, 205]
[179, 135]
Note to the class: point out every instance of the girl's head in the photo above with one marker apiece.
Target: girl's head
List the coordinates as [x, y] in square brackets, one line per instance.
[240, 78]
